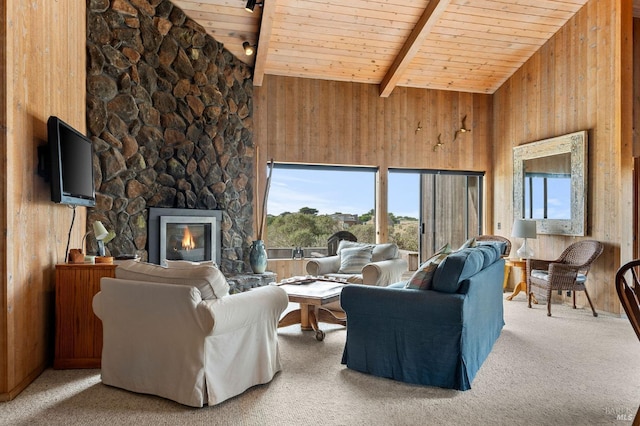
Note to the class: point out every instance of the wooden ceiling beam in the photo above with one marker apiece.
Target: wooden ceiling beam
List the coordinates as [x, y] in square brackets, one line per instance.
[264, 37]
[412, 45]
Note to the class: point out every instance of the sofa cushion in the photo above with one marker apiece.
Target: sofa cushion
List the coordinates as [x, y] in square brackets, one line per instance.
[544, 275]
[422, 278]
[500, 245]
[353, 259]
[350, 278]
[490, 254]
[384, 251]
[207, 279]
[380, 252]
[456, 267]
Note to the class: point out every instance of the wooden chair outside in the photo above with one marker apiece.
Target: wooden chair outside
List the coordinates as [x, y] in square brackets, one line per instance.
[334, 240]
[566, 273]
[629, 294]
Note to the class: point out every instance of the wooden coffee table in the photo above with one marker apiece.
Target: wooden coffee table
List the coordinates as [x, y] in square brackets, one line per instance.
[312, 296]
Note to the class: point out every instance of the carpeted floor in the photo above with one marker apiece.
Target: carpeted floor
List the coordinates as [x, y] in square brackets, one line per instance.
[570, 369]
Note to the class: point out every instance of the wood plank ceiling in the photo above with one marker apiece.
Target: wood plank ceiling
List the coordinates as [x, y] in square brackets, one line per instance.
[463, 45]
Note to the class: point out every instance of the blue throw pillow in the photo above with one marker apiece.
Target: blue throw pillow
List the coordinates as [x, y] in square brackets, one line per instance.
[456, 267]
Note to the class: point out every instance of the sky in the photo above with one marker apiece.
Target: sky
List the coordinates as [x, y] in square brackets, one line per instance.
[331, 191]
[352, 192]
[558, 198]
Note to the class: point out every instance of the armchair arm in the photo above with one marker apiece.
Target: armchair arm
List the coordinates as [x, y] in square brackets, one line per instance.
[563, 276]
[323, 265]
[537, 264]
[235, 311]
[384, 272]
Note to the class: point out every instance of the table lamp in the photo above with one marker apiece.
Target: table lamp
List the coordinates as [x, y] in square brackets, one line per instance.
[102, 236]
[523, 228]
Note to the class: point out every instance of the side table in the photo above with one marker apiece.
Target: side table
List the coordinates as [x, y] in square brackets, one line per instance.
[522, 285]
[78, 341]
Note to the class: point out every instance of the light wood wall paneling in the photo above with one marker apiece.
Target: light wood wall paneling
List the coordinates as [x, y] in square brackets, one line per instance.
[43, 69]
[580, 79]
[4, 302]
[636, 87]
[327, 122]
[636, 127]
[349, 124]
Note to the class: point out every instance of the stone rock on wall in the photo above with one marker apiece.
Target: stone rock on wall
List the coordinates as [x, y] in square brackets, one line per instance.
[169, 112]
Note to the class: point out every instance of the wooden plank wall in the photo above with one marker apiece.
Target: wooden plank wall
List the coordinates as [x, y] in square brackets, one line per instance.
[636, 87]
[636, 127]
[42, 62]
[326, 122]
[580, 79]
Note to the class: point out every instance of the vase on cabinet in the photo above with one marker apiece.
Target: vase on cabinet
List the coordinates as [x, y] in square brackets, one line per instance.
[258, 257]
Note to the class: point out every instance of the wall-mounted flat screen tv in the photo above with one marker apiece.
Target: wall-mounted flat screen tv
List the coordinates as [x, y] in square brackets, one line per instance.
[71, 165]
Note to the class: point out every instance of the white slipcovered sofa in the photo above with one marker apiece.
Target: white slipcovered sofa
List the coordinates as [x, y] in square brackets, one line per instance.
[176, 332]
[362, 263]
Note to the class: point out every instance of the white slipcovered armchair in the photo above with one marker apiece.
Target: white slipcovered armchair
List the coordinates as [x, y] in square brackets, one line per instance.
[161, 338]
[362, 263]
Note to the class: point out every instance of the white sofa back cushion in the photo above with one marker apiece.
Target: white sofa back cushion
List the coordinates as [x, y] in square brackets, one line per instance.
[206, 278]
[380, 252]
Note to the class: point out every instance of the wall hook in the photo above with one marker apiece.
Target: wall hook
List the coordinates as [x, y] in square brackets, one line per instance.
[419, 127]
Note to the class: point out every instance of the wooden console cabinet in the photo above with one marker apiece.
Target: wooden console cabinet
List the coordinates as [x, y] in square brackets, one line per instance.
[78, 331]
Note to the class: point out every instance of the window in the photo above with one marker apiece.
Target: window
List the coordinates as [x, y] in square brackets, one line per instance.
[427, 208]
[309, 203]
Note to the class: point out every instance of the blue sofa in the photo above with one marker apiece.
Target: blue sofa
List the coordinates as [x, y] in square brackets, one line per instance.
[436, 337]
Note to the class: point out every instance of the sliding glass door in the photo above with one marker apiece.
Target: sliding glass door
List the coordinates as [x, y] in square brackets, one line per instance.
[451, 209]
[450, 206]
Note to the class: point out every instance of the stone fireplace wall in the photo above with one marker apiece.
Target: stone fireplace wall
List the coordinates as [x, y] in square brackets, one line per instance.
[169, 111]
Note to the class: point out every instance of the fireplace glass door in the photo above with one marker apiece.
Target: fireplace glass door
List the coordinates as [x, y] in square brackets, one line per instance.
[187, 238]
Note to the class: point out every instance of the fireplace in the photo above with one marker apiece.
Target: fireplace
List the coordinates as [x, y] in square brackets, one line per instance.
[184, 234]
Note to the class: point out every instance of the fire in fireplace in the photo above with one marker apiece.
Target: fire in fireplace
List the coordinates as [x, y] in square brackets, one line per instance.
[184, 234]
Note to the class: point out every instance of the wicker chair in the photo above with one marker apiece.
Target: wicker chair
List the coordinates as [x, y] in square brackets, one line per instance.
[507, 249]
[568, 272]
[629, 294]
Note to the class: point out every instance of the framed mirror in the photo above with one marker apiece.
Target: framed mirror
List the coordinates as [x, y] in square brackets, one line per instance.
[550, 184]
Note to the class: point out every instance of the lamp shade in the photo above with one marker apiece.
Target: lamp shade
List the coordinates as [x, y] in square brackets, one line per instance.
[99, 231]
[523, 228]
